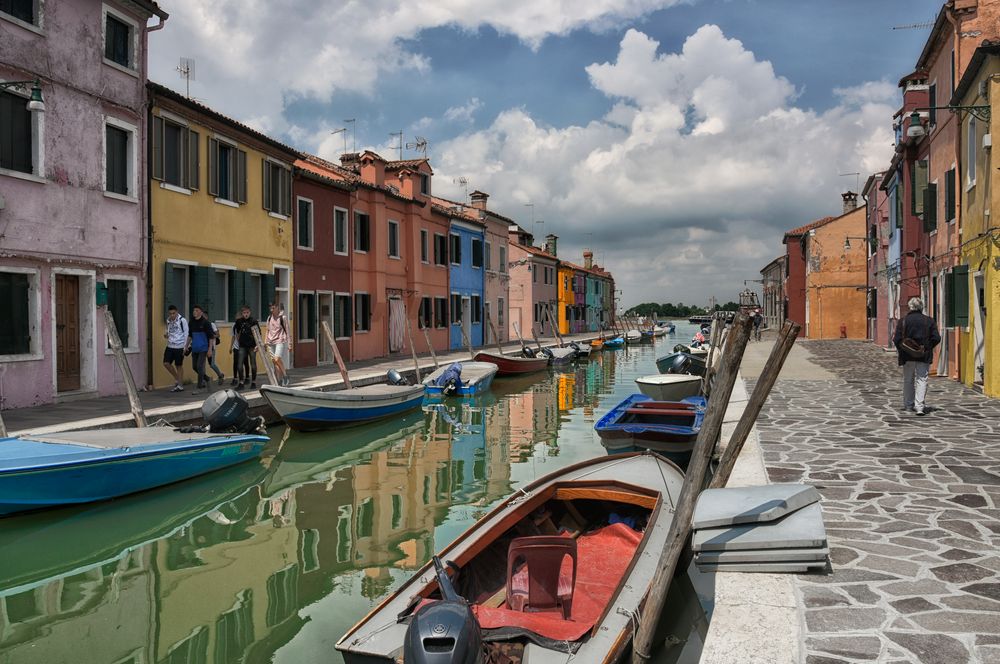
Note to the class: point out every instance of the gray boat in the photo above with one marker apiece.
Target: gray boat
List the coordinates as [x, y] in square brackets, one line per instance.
[510, 588]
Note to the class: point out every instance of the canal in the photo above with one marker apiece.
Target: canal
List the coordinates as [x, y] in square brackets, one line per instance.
[274, 561]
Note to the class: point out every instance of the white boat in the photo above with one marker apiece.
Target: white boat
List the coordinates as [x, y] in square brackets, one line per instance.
[633, 336]
[476, 378]
[310, 410]
[669, 387]
[560, 355]
[659, 331]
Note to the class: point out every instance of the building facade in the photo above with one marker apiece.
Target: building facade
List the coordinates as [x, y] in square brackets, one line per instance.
[773, 292]
[878, 232]
[496, 287]
[72, 175]
[533, 287]
[466, 259]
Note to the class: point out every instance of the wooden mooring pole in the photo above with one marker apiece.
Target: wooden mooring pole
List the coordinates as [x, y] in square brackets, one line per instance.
[138, 414]
[272, 375]
[409, 336]
[330, 339]
[430, 346]
[493, 329]
[694, 481]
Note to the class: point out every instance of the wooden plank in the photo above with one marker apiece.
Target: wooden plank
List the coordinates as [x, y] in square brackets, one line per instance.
[465, 338]
[409, 336]
[336, 354]
[272, 376]
[138, 414]
[517, 331]
[611, 495]
[553, 323]
[430, 347]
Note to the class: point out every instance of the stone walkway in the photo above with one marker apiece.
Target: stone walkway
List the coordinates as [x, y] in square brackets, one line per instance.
[911, 505]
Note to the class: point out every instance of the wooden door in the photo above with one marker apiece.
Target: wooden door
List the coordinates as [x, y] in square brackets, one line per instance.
[324, 313]
[397, 323]
[67, 332]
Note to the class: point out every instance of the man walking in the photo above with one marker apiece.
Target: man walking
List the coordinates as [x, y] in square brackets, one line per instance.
[915, 338]
[277, 341]
[200, 342]
[173, 355]
[245, 363]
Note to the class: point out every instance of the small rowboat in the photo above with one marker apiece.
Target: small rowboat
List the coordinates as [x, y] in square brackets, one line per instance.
[597, 344]
[659, 331]
[669, 428]
[647, 336]
[511, 365]
[47, 470]
[310, 410]
[614, 344]
[614, 514]
[633, 337]
[475, 378]
[582, 350]
[560, 355]
[681, 363]
[669, 387]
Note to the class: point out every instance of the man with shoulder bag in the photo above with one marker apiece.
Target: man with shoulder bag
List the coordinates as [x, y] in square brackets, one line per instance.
[915, 338]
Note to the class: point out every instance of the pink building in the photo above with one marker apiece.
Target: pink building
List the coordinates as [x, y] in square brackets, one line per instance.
[497, 285]
[533, 279]
[73, 183]
[878, 233]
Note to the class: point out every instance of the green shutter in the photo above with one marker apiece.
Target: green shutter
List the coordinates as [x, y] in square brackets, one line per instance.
[930, 208]
[157, 148]
[266, 180]
[312, 317]
[118, 306]
[949, 194]
[213, 166]
[201, 295]
[192, 161]
[961, 295]
[237, 293]
[173, 289]
[266, 291]
[14, 324]
[241, 176]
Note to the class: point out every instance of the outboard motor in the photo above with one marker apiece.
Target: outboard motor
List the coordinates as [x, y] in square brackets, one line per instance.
[451, 378]
[227, 411]
[575, 346]
[528, 352]
[393, 377]
[443, 632]
[680, 364]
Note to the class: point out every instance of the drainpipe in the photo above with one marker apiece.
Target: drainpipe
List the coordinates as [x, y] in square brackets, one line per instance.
[149, 242]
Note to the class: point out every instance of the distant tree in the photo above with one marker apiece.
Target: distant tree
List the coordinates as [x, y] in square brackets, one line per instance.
[728, 306]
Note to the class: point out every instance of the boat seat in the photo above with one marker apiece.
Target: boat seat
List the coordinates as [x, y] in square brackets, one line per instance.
[543, 586]
[657, 411]
[664, 404]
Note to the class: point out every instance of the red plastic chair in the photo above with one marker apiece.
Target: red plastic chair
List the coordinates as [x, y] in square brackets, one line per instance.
[546, 587]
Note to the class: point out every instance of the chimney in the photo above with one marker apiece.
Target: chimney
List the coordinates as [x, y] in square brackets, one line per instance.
[550, 244]
[372, 168]
[406, 182]
[478, 199]
[349, 160]
[850, 201]
[588, 259]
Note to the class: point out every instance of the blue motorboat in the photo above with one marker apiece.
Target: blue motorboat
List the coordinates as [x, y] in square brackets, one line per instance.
[669, 428]
[461, 379]
[617, 342]
[46, 470]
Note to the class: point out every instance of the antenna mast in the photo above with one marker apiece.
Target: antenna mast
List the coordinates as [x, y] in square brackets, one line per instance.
[463, 182]
[400, 146]
[186, 70]
[354, 135]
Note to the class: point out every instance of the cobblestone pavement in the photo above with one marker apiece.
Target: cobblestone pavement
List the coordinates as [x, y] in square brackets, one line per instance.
[911, 505]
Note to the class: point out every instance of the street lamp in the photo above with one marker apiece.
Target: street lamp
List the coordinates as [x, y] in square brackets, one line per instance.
[847, 241]
[35, 103]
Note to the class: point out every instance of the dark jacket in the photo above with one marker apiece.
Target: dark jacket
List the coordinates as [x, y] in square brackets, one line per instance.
[243, 329]
[921, 329]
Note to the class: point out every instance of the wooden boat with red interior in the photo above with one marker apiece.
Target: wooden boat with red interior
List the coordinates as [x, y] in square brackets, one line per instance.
[512, 365]
[559, 569]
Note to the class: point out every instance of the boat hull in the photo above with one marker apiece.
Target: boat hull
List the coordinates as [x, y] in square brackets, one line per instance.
[513, 366]
[86, 478]
[672, 391]
[478, 383]
[562, 355]
[671, 435]
[308, 410]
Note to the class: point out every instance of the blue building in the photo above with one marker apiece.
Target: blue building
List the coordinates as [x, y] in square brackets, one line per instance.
[466, 281]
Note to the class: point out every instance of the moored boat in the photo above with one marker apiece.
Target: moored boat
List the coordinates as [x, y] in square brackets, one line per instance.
[582, 349]
[461, 379]
[669, 387]
[511, 365]
[681, 363]
[615, 513]
[71, 467]
[633, 337]
[311, 410]
[560, 355]
[614, 343]
[596, 344]
[669, 428]
[646, 336]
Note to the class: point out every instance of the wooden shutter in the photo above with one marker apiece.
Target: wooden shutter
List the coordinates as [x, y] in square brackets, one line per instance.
[949, 194]
[241, 176]
[266, 291]
[192, 173]
[960, 299]
[930, 208]
[286, 191]
[213, 166]
[118, 306]
[14, 324]
[266, 179]
[157, 140]
[931, 103]
[237, 293]
[173, 289]
[201, 294]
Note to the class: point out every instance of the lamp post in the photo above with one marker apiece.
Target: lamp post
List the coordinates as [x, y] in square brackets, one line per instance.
[917, 129]
[35, 103]
[847, 240]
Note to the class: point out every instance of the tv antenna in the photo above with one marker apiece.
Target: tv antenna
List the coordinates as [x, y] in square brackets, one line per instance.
[354, 134]
[342, 130]
[400, 146]
[420, 145]
[914, 26]
[186, 70]
[857, 180]
[463, 182]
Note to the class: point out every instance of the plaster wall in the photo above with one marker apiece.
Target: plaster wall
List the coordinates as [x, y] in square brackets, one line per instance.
[836, 279]
[795, 283]
[497, 278]
[466, 280]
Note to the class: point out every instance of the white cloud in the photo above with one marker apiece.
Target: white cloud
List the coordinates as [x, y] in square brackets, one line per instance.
[688, 183]
[464, 113]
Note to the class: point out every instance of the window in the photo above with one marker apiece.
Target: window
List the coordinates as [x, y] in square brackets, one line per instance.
[393, 239]
[219, 310]
[177, 288]
[304, 224]
[362, 240]
[362, 312]
[477, 252]
[455, 252]
[949, 195]
[19, 144]
[565, 283]
[255, 295]
[970, 147]
[489, 256]
[440, 249]
[340, 231]
[425, 184]
[119, 158]
[440, 312]
[282, 596]
[426, 313]
[918, 183]
[175, 153]
[456, 309]
[931, 103]
[18, 327]
[477, 309]
[23, 10]
[119, 304]
[342, 316]
[227, 171]
[234, 628]
[534, 273]
[424, 249]
[307, 316]
[277, 188]
[503, 260]
[501, 315]
[118, 37]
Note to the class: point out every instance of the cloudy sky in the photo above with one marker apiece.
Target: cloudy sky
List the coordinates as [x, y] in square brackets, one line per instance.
[676, 138]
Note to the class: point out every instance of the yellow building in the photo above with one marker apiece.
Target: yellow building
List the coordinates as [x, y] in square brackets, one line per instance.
[974, 286]
[567, 298]
[221, 207]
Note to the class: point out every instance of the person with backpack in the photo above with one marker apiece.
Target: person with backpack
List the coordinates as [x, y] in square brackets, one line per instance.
[199, 345]
[277, 342]
[245, 350]
[217, 341]
[915, 338]
[173, 355]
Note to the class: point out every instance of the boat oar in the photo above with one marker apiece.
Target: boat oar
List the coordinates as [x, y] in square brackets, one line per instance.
[553, 323]
[336, 354]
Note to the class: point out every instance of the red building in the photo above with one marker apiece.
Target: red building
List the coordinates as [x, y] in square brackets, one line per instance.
[795, 266]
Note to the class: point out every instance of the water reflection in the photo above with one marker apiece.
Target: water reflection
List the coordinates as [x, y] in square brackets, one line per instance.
[273, 561]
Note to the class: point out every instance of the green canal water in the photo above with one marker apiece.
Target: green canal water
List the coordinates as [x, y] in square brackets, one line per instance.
[274, 561]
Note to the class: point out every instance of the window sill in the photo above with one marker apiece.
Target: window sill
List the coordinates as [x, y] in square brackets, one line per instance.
[31, 27]
[395, 258]
[299, 246]
[226, 202]
[306, 341]
[282, 217]
[174, 188]
[20, 175]
[360, 251]
[29, 357]
[128, 351]
[341, 338]
[121, 197]
[356, 332]
[341, 253]
[423, 262]
[121, 68]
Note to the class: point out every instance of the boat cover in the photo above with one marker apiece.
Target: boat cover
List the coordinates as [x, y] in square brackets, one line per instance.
[602, 556]
[452, 374]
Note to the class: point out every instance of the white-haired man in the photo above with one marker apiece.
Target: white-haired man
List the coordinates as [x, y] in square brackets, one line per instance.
[915, 339]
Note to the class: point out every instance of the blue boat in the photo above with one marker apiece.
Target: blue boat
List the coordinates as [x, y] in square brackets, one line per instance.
[617, 342]
[669, 428]
[311, 410]
[461, 379]
[46, 470]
